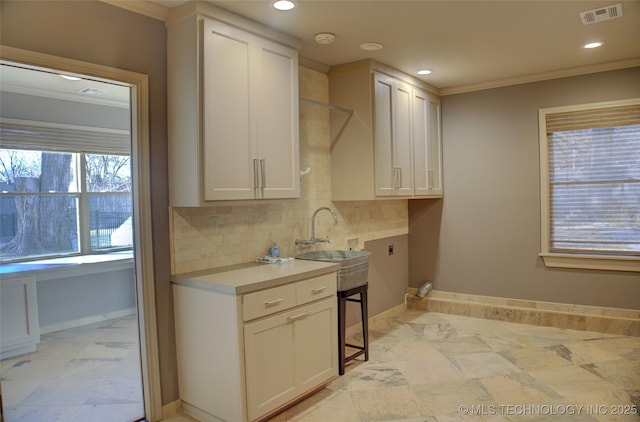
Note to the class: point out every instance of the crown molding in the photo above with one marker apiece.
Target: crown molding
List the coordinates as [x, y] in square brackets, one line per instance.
[312, 64]
[537, 77]
[142, 7]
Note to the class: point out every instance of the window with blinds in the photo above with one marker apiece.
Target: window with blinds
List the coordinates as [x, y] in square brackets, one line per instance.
[64, 190]
[593, 179]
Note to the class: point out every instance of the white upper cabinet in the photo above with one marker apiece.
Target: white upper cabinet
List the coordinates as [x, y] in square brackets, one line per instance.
[233, 110]
[390, 146]
[427, 155]
[392, 136]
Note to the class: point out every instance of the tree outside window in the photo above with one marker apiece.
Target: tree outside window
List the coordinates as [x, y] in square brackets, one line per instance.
[60, 203]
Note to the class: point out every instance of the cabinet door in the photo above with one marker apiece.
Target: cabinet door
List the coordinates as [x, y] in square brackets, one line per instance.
[229, 166]
[402, 136]
[269, 356]
[435, 148]
[392, 137]
[421, 153]
[383, 135]
[427, 145]
[288, 354]
[19, 329]
[317, 345]
[277, 122]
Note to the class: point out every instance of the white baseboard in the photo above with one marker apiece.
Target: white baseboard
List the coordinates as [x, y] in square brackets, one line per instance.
[17, 351]
[87, 320]
[171, 409]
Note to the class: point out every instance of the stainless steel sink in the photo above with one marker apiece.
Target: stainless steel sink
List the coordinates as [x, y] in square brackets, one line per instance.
[354, 265]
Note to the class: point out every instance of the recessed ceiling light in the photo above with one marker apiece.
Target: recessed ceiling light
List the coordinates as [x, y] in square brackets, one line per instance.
[371, 46]
[283, 4]
[424, 72]
[592, 45]
[70, 78]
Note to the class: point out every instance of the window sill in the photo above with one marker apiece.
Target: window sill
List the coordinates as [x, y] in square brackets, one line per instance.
[591, 262]
[49, 269]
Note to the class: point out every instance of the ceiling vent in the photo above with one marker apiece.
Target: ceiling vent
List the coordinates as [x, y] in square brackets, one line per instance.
[602, 14]
[92, 91]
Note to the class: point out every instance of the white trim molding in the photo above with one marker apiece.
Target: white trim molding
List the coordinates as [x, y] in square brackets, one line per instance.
[583, 261]
[591, 262]
[545, 76]
[145, 281]
[79, 322]
[146, 8]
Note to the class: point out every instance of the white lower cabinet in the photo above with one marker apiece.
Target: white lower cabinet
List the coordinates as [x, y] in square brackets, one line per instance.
[287, 354]
[243, 357]
[19, 328]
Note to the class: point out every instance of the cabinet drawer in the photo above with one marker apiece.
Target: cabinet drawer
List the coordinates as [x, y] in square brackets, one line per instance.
[266, 302]
[316, 288]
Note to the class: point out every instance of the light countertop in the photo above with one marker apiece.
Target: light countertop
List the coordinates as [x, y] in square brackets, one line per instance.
[246, 278]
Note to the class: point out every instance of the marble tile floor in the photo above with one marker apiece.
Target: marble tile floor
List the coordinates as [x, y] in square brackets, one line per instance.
[87, 373]
[427, 366]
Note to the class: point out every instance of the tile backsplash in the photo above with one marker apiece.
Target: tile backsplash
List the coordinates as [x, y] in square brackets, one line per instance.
[216, 236]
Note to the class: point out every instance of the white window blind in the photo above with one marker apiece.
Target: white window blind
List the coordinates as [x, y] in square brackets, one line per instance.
[42, 136]
[594, 180]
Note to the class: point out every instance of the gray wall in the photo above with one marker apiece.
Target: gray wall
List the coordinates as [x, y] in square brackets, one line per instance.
[73, 298]
[96, 32]
[484, 236]
[388, 276]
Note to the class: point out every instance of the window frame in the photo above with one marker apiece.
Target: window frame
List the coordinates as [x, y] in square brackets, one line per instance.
[143, 230]
[607, 262]
[84, 209]
[83, 212]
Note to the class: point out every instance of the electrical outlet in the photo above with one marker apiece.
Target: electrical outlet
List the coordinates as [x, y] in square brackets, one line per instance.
[214, 223]
[390, 250]
[352, 244]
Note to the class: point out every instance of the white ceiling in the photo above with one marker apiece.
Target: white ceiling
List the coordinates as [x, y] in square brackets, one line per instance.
[37, 82]
[468, 44]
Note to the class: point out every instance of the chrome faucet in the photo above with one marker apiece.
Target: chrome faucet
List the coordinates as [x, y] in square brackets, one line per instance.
[313, 239]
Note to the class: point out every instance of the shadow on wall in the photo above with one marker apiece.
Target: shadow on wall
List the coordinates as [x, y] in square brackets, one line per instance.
[388, 276]
[425, 219]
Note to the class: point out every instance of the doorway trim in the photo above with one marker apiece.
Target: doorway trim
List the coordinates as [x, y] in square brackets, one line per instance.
[143, 234]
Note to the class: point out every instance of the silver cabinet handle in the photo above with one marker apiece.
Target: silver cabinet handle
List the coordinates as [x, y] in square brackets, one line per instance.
[263, 173]
[430, 179]
[397, 177]
[255, 173]
[298, 316]
[272, 302]
[318, 290]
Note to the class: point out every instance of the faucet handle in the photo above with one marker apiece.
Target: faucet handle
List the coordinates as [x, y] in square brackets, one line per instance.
[299, 242]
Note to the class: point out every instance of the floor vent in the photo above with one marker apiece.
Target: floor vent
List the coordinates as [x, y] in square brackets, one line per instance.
[602, 14]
